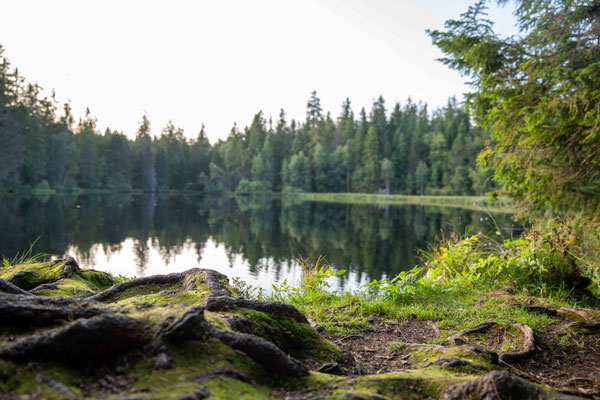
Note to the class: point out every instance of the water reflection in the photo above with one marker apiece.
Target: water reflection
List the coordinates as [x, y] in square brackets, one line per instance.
[255, 240]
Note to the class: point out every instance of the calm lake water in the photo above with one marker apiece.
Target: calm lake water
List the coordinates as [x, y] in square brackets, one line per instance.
[257, 241]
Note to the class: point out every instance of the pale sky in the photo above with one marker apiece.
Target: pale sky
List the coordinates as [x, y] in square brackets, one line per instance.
[221, 61]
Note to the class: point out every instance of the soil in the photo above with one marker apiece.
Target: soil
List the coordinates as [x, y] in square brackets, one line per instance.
[571, 366]
[368, 352]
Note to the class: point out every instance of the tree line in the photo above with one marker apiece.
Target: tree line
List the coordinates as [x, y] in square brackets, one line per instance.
[405, 150]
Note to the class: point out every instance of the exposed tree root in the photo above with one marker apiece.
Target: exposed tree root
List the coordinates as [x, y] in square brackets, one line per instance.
[81, 342]
[59, 387]
[457, 362]
[361, 396]
[582, 325]
[7, 287]
[225, 373]
[224, 303]
[529, 346]
[186, 279]
[426, 346]
[537, 309]
[583, 313]
[20, 279]
[452, 340]
[500, 385]
[193, 326]
[263, 352]
[213, 281]
[190, 326]
[490, 355]
[26, 310]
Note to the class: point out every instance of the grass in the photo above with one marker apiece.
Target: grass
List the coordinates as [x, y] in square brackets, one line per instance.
[466, 202]
[465, 281]
[26, 257]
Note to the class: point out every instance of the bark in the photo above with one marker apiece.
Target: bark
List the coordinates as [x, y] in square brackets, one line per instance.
[529, 347]
[85, 341]
[224, 303]
[452, 340]
[500, 385]
[33, 311]
[263, 352]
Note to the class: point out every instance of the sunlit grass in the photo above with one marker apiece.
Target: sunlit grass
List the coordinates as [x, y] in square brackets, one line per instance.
[466, 202]
[26, 257]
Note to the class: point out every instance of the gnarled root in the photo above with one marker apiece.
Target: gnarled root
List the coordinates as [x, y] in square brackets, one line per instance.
[452, 340]
[263, 352]
[529, 347]
[187, 279]
[26, 310]
[223, 303]
[81, 342]
[193, 326]
[499, 385]
[7, 287]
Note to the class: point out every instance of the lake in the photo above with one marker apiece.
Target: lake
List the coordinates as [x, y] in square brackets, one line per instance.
[255, 240]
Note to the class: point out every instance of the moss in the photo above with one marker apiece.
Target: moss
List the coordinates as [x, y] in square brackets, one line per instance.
[160, 297]
[226, 389]
[223, 280]
[82, 284]
[471, 357]
[141, 291]
[295, 338]
[216, 320]
[16, 380]
[32, 275]
[406, 384]
[192, 360]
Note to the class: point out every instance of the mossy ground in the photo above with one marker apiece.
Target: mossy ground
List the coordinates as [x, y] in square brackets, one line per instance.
[375, 334]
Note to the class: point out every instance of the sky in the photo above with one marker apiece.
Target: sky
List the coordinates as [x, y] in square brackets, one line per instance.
[221, 61]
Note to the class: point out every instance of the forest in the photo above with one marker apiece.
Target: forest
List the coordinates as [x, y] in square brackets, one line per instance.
[405, 149]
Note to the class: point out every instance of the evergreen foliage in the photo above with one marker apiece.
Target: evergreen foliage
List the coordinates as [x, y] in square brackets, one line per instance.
[538, 94]
[405, 151]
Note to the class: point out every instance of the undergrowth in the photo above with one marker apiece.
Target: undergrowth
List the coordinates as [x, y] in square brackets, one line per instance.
[26, 257]
[464, 281]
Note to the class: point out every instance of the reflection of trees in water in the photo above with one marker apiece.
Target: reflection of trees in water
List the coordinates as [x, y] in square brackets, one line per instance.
[376, 240]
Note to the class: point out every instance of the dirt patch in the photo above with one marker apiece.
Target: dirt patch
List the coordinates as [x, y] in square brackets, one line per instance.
[566, 361]
[372, 351]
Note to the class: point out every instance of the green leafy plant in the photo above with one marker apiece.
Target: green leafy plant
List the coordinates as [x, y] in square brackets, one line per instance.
[315, 276]
[402, 285]
[123, 278]
[247, 290]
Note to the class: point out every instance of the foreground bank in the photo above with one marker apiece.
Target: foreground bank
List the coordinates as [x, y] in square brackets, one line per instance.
[74, 333]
